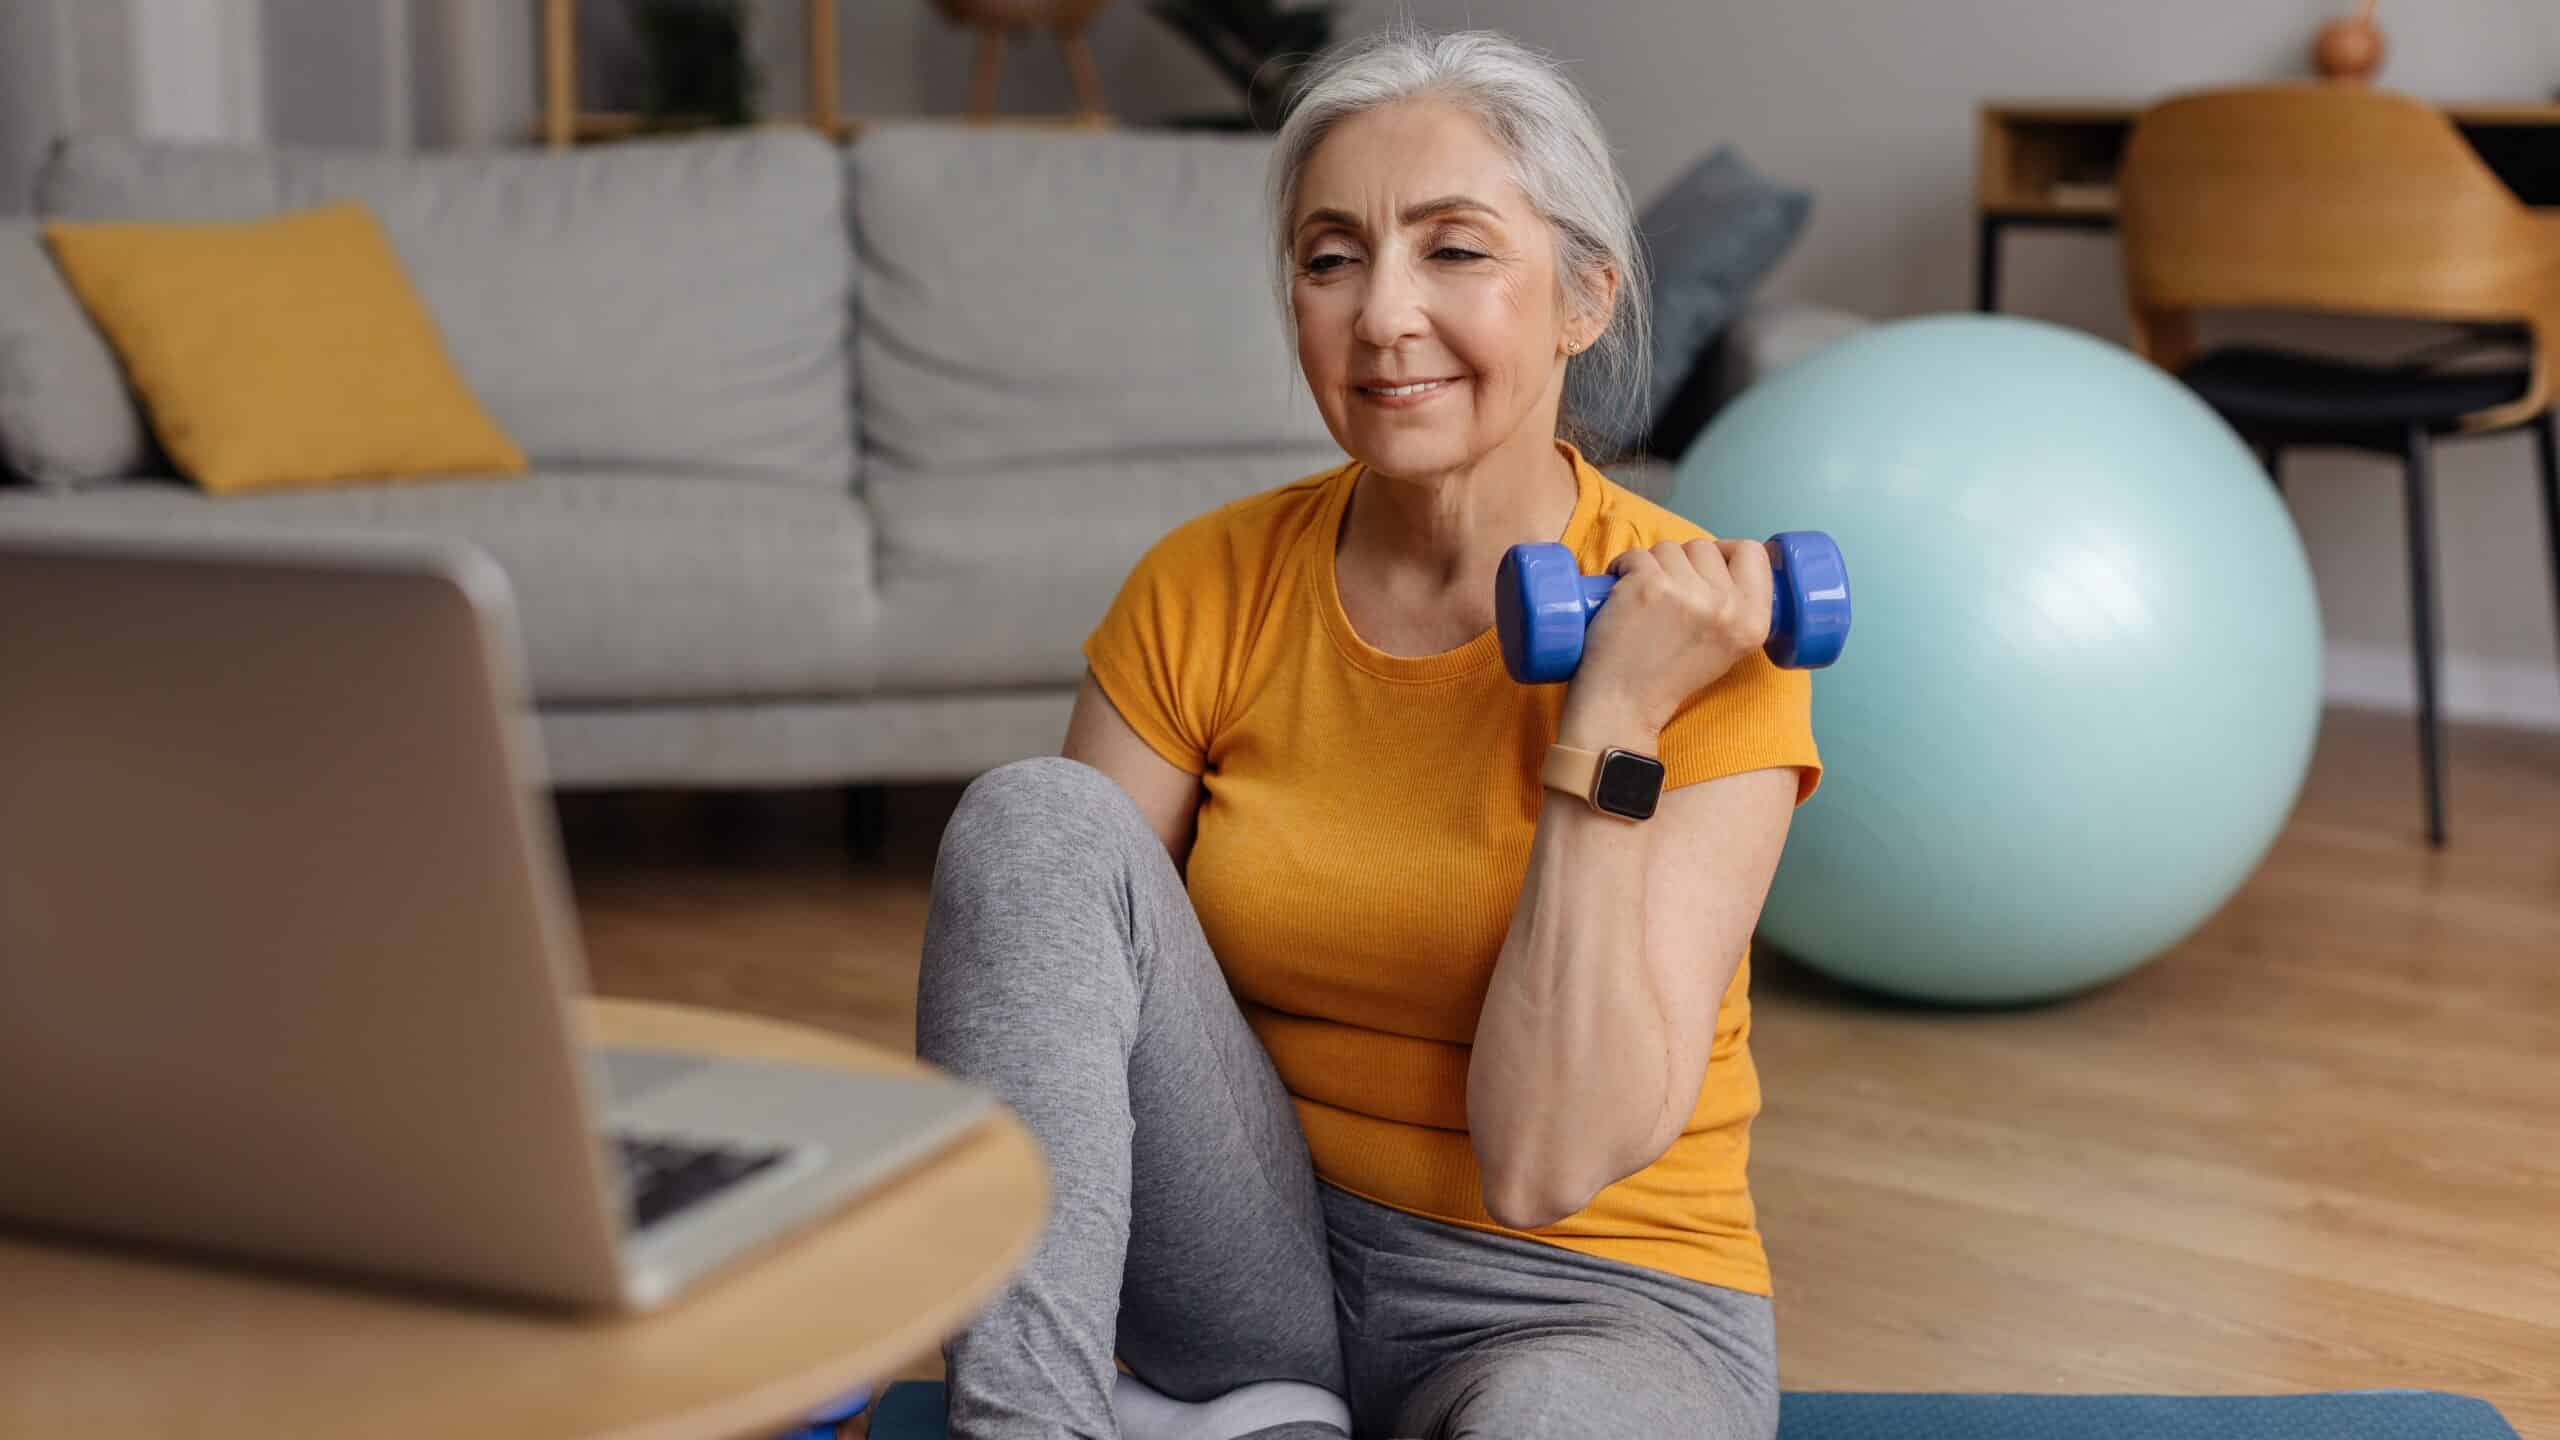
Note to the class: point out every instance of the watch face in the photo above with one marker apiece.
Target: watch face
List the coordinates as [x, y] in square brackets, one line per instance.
[1630, 784]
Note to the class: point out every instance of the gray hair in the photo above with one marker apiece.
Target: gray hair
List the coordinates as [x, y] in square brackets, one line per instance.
[1560, 160]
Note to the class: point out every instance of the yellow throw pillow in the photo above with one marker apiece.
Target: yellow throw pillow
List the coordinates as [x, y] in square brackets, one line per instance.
[280, 354]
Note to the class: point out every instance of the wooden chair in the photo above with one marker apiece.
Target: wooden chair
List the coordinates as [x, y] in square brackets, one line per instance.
[2346, 200]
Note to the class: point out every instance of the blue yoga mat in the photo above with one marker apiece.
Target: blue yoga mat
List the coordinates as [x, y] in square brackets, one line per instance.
[913, 1410]
[2348, 1415]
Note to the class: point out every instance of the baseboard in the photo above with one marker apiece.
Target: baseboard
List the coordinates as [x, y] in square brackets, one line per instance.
[2492, 692]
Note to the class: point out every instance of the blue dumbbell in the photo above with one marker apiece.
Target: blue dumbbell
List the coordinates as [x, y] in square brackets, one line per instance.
[1542, 604]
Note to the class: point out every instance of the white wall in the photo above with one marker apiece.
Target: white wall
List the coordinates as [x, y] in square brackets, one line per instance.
[343, 71]
[33, 62]
[179, 69]
[1870, 103]
[198, 69]
[1867, 102]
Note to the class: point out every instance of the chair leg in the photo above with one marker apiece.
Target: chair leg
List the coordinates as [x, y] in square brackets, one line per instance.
[866, 820]
[1083, 74]
[2422, 629]
[2546, 442]
[2271, 455]
[982, 76]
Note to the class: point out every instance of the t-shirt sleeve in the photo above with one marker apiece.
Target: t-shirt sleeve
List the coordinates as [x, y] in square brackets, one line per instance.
[1757, 717]
[1159, 653]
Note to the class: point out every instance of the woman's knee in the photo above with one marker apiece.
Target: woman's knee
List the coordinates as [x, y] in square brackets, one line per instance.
[1033, 847]
[1046, 803]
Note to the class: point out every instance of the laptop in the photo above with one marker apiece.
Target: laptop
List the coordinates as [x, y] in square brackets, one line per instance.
[288, 970]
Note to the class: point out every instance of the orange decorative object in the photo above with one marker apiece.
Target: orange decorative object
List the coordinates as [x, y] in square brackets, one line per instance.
[2349, 49]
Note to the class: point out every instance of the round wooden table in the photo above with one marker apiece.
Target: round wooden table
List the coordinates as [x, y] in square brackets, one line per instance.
[101, 1341]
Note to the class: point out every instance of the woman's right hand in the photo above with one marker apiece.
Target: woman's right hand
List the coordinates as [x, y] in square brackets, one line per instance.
[1681, 615]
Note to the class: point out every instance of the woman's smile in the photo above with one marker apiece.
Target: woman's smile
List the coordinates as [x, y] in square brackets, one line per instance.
[1405, 395]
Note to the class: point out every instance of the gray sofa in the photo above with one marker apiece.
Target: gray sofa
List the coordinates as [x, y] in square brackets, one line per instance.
[837, 453]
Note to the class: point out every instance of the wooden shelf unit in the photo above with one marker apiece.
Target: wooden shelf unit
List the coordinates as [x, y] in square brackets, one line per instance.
[2024, 150]
[563, 123]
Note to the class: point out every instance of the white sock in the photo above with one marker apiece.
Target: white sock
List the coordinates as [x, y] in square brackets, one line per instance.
[1146, 1413]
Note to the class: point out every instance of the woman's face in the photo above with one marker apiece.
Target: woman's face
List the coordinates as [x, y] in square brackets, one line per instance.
[1429, 323]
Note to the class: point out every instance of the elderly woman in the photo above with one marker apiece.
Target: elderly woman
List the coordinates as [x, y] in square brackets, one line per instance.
[1393, 1074]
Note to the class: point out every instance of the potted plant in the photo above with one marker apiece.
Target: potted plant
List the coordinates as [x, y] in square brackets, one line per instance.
[699, 71]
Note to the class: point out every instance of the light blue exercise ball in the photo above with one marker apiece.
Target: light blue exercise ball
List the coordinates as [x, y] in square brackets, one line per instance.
[2083, 679]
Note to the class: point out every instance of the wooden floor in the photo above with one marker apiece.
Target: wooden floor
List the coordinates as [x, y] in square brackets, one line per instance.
[2316, 1147]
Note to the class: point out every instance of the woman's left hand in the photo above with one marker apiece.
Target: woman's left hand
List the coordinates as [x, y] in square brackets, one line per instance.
[1681, 615]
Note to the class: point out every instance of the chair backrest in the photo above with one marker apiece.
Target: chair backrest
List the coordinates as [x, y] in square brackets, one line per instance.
[2329, 198]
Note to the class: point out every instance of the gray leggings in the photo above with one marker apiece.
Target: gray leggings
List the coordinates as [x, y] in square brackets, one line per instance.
[1065, 970]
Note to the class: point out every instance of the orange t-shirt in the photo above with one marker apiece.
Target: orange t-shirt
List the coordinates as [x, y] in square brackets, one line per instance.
[1362, 841]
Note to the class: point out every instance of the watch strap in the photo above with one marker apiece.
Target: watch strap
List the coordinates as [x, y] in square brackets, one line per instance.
[1571, 769]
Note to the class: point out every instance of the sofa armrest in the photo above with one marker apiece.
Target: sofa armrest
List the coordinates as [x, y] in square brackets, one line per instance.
[1769, 336]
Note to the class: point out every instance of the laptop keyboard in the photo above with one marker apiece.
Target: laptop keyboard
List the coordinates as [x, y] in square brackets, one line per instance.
[666, 1177]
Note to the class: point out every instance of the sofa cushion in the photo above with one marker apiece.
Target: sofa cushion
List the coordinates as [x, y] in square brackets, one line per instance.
[998, 573]
[1008, 597]
[1711, 237]
[631, 586]
[1033, 295]
[279, 354]
[1037, 305]
[66, 418]
[672, 304]
[990, 628]
[1067, 509]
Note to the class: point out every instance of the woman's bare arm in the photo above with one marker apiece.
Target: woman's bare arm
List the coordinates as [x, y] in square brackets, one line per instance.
[1166, 794]
[1593, 1042]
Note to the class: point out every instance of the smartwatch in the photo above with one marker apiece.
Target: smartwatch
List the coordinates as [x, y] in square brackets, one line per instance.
[1617, 782]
